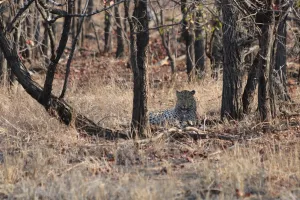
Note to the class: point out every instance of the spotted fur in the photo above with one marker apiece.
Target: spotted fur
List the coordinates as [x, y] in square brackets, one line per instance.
[185, 111]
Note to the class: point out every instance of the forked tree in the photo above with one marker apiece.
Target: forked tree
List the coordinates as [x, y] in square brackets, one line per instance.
[267, 20]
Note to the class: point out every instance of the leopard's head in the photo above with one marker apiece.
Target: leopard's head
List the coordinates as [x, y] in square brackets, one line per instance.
[185, 101]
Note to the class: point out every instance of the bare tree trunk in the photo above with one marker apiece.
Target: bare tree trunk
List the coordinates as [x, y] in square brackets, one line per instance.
[139, 123]
[79, 39]
[199, 47]
[37, 32]
[189, 37]
[266, 100]
[29, 34]
[231, 93]
[107, 31]
[120, 38]
[16, 35]
[248, 95]
[280, 60]
[45, 43]
[3, 70]
[55, 59]
[3, 64]
[90, 8]
[73, 23]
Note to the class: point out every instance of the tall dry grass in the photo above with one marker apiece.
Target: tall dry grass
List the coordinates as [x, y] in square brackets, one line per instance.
[43, 159]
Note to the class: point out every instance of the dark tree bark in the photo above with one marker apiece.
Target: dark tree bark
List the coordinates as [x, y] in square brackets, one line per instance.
[80, 39]
[263, 67]
[37, 32]
[138, 48]
[45, 43]
[266, 100]
[3, 64]
[29, 34]
[199, 47]
[120, 38]
[280, 60]
[248, 95]
[231, 72]
[90, 7]
[74, 42]
[73, 22]
[54, 60]
[16, 36]
[189, 38]
[107, 31]
[3, 70]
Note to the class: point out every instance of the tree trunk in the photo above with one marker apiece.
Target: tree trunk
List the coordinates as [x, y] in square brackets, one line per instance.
[90, 8]
[37, 32]
[266, 100]
[120, 39]
[189, 38]
[79, 39]
[248, 95]
[139, 124]
[29, 34]
[280, 61]
[73, 22]
[199, 47]
[16, 35]
[3, 64]
[45, 43]
[55, 59]
[231, 73]
[107, 31]
[3, 70]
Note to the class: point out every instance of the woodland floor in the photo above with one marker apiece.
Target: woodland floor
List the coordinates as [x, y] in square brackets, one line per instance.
[43, 159]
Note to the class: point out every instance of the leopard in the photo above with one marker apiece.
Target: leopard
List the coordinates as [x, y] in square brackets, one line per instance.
[184, 113]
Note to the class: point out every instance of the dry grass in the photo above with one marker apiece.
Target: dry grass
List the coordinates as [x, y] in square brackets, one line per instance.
[43, 159]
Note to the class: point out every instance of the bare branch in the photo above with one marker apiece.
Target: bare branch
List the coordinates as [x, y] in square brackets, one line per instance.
[61, 14]
[52, 67]
[17, 18]
[72, 52]
[56, 4]
[48, 27]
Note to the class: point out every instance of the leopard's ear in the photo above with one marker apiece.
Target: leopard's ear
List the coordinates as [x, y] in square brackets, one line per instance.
[193, 92]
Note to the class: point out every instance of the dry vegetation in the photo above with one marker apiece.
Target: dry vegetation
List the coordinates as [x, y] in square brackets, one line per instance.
[43, 159]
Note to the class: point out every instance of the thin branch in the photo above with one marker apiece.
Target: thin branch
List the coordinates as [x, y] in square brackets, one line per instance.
[60, 15]
[96, 35]
[52, 67]
[48, 28]
[17, 18]
[72, 52]
[163, 26]
[56, 4]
